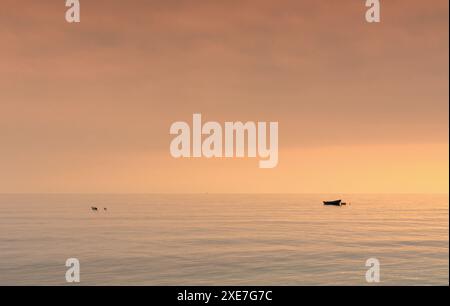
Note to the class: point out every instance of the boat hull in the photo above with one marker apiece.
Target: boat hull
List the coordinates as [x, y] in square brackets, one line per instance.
[333, 203]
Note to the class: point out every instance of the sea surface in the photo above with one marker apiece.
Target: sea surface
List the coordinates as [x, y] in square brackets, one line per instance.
[224, 239]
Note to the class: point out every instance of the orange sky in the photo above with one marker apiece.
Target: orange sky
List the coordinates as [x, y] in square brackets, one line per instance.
[87, 107]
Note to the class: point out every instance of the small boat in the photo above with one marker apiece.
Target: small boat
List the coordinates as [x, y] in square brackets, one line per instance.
[333, 203]
[93, 208]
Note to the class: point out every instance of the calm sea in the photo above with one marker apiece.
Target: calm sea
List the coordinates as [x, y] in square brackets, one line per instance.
[224, 239]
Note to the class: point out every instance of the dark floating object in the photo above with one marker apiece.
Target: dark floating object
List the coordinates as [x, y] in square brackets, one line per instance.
[334, 203]
[94, 208]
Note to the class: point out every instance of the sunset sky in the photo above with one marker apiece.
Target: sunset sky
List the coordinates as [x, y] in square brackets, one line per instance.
[362, 108]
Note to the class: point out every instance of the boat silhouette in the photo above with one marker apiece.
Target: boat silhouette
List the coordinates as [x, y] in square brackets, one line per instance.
[333, 203]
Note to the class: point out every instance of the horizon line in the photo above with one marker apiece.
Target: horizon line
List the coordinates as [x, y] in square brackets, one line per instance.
[223, 193]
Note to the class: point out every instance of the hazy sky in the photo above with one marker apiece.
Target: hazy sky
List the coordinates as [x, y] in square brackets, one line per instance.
[87, 107]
